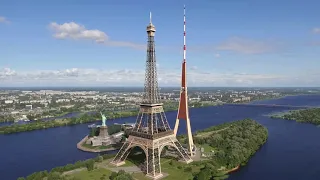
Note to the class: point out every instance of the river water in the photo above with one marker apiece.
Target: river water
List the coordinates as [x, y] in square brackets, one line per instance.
[291, 152]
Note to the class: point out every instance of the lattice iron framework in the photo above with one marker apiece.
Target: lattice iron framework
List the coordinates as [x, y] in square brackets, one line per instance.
[152, 131]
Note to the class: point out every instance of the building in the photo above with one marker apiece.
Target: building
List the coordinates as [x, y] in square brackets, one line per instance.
[29, 107]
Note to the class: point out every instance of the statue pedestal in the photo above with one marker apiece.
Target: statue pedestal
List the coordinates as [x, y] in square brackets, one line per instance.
[103, 132]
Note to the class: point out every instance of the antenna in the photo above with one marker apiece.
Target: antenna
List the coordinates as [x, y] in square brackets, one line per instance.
[184, 33]
[150, 18]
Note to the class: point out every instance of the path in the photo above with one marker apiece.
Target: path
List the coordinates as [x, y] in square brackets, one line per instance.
[204, 134]
[73, 171]
[82, 148]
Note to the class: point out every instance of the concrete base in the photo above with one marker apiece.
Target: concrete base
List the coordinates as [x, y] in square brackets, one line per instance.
[156, 176]
[117, 164]
[103, 132]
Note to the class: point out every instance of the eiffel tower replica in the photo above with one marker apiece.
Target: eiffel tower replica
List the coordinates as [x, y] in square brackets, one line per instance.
[152, 131]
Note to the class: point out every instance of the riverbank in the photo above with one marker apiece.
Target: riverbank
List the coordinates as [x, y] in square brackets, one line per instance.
[228, 143]
[176, 169]
[311, 115]
[37, 125]
[233, 169]
[81, 146]
[85, 118]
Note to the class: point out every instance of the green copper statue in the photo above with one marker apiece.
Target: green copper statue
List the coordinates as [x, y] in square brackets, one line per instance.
[103, 119]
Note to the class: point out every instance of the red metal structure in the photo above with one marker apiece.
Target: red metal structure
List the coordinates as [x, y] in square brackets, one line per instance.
[183, 111]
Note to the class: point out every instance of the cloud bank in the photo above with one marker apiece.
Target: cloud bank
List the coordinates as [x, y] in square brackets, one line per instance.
[127, 77]
[316, 30]
[3, 20]
[74, 31]
[246, 46]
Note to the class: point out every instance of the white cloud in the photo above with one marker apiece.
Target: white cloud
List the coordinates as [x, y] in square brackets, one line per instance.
[245, 46]
[127, 77]
[193, 68]
[3, 20]
[217, 55]
[76, 31]
[316, 30]
[7, 73]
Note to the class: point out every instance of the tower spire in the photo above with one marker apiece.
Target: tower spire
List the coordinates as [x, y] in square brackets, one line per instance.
[183, 111]
[184, 33]
[150, 18]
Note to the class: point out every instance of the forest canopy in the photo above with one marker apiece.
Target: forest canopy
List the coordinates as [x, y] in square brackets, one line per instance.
[304, 115]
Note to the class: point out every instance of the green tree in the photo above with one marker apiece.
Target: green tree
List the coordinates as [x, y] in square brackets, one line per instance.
[54, 176]
[99, 158]
[90, 165]
[92, 132]
[121, 175]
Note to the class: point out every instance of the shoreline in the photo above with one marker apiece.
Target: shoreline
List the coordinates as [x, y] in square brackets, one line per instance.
[80, 147]
[68, 119]
[96, 159]
[135, 115]
[233, 169]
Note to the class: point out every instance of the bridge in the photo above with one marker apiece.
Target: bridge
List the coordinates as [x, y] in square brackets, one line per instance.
[270, 105]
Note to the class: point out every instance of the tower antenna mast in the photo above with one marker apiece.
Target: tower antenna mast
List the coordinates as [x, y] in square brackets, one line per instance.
[150, 18]
[183, 111]
[184, 34]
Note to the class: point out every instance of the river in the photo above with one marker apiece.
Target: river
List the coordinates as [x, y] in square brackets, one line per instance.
[291, 152]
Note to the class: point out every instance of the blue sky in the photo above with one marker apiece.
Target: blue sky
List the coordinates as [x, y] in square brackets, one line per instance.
[100, 42]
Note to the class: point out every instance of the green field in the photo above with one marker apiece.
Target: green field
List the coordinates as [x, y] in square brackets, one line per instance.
[206, 147]
[175, 169]
[94, 174]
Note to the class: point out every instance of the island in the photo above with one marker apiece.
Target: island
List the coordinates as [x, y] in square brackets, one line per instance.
[311, 115]
[104, 138]
[221, 149]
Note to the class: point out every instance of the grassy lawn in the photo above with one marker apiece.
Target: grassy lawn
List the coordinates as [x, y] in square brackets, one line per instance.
[128, 164]
[176, 171]
[140, 176]
[206, 147]
[207, 134]
[95, 174]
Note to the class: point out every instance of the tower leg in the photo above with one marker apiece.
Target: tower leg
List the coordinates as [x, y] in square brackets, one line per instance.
[176, 126]
[190, 138]
[153, 164]
[121, 156]
[182, 153]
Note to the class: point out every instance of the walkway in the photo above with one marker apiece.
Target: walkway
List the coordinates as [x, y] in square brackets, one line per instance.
[205, 134]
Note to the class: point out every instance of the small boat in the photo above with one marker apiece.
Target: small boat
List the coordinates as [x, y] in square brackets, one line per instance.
[92, 126]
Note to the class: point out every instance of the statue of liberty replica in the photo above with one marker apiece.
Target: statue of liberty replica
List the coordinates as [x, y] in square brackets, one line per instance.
[103, 128]
[103, 139]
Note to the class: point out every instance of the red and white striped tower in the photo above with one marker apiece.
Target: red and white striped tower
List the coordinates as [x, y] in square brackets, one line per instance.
[183, 111]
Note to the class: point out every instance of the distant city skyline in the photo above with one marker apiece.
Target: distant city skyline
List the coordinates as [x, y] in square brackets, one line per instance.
[102, 43]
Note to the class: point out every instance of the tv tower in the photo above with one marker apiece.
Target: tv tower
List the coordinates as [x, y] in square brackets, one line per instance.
[152, 131]
[183, 111]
